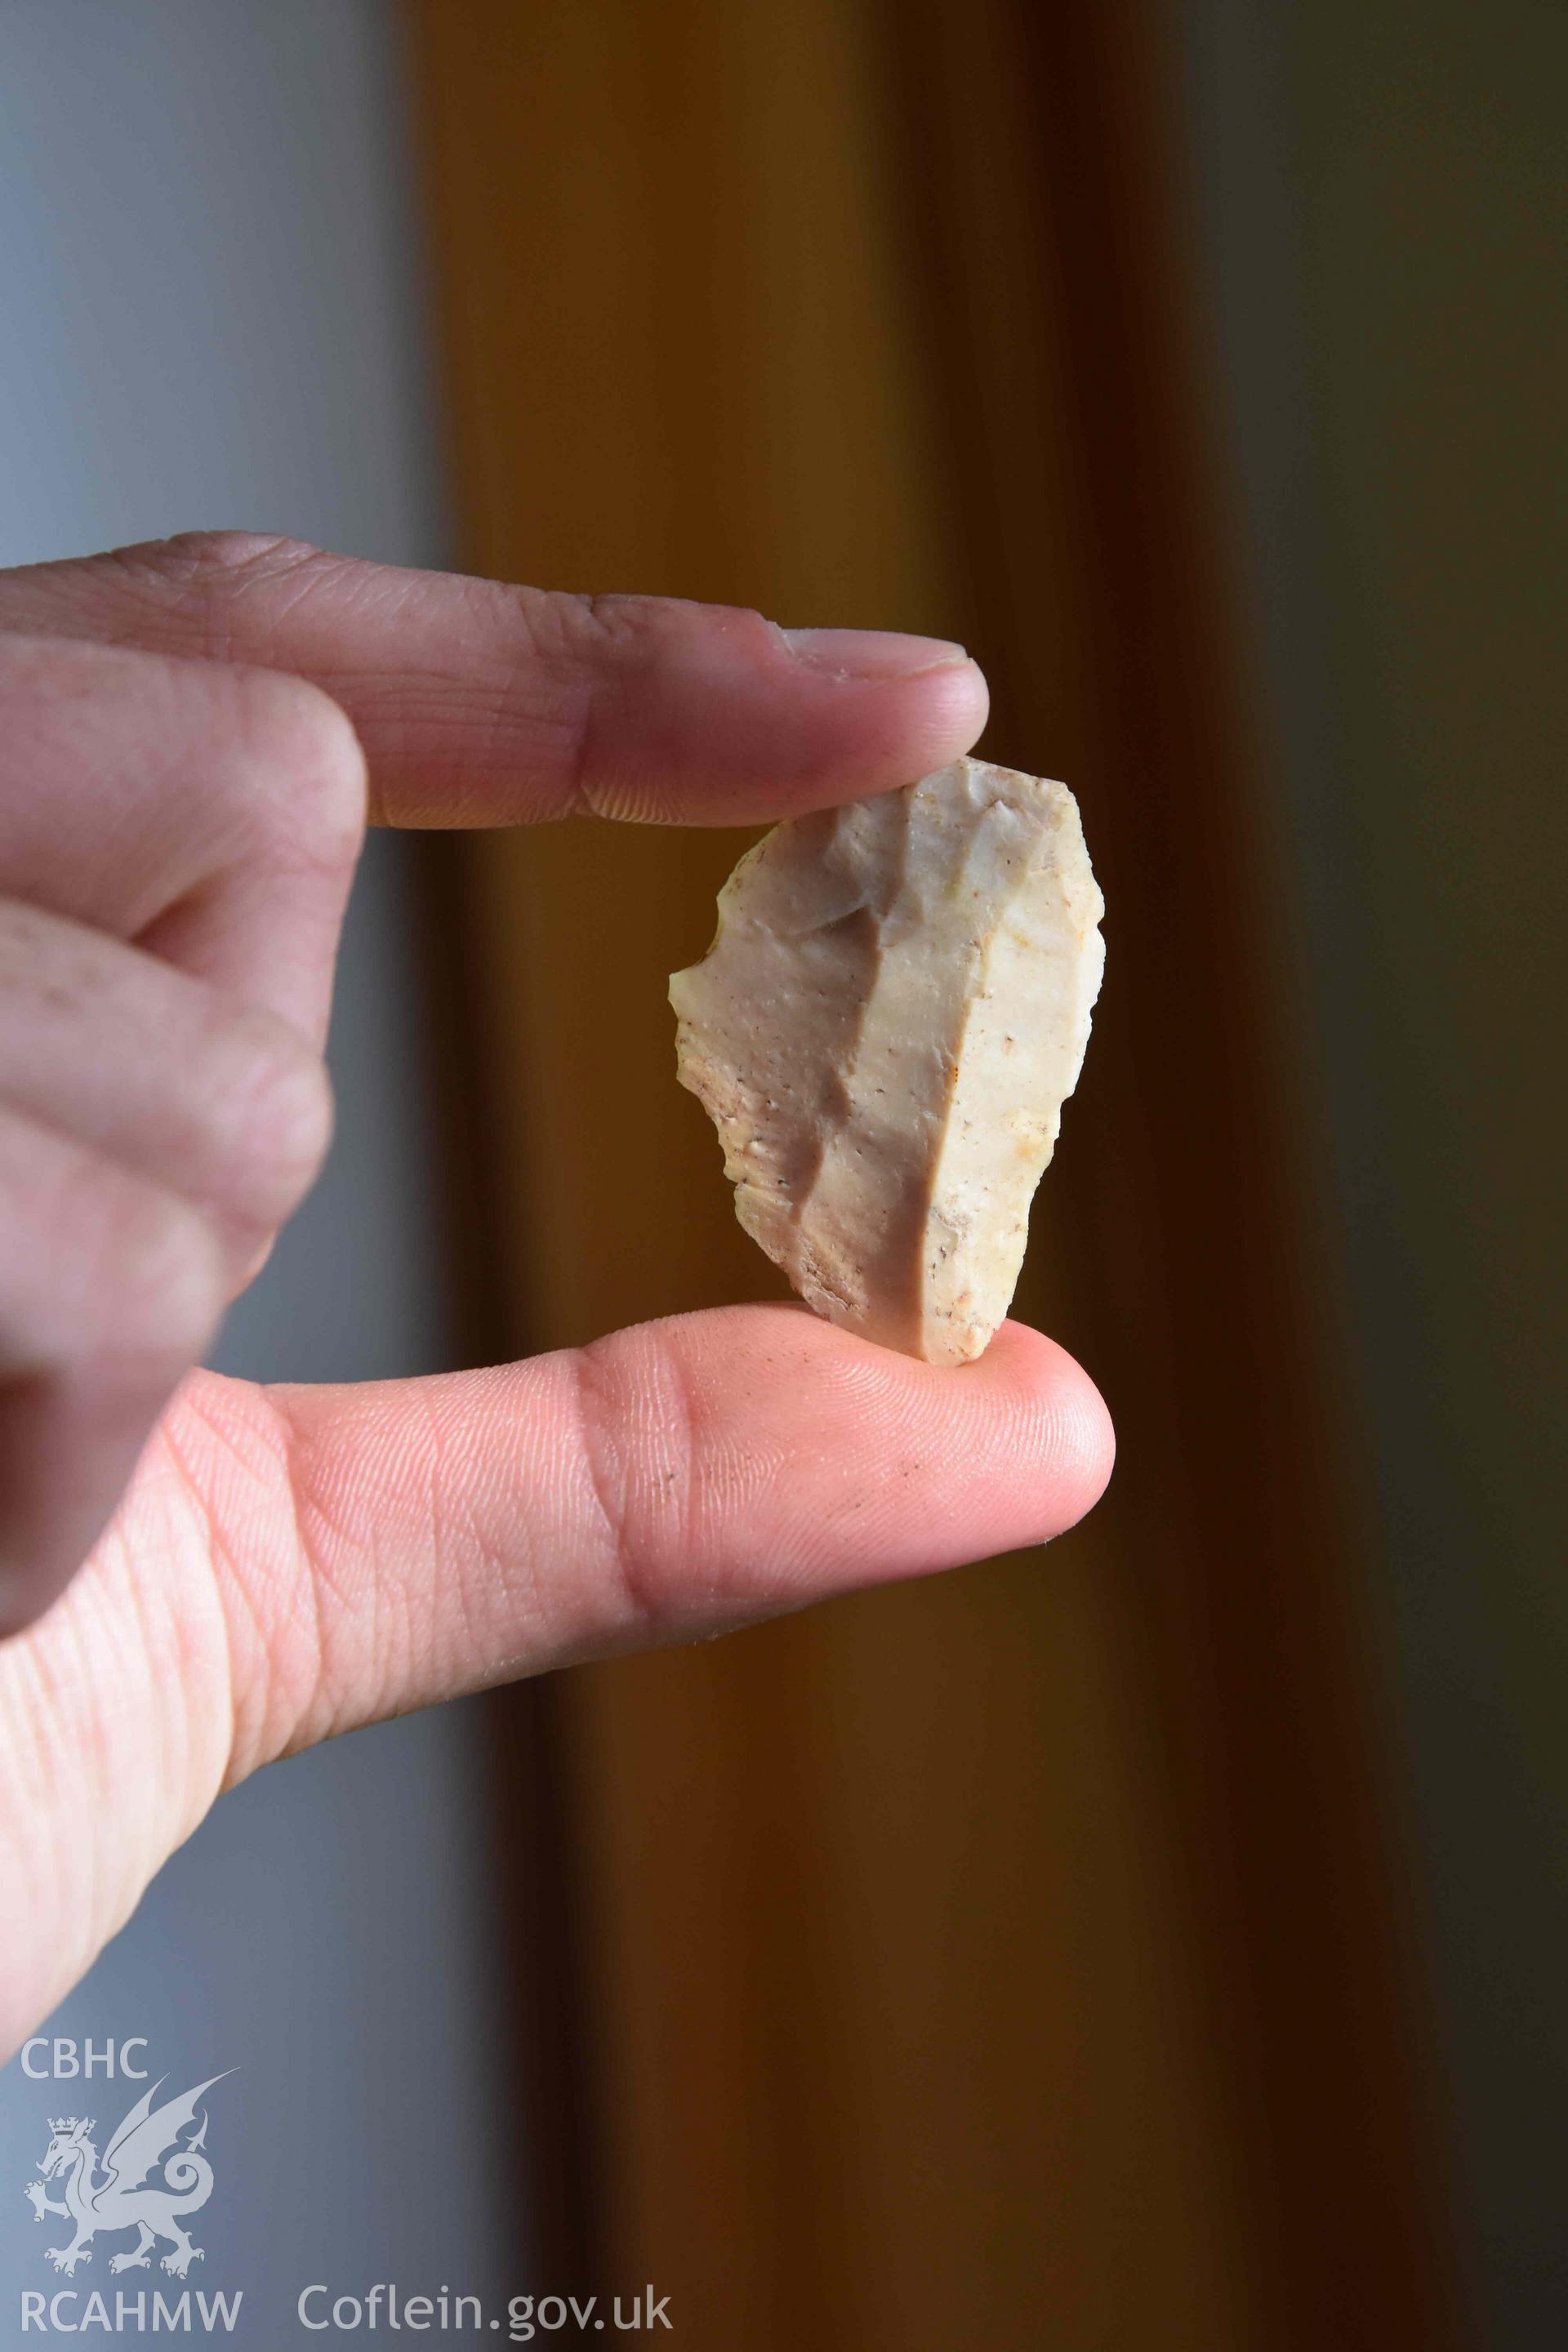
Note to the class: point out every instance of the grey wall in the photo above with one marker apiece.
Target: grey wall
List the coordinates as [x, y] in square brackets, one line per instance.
[1383, 199]
[208, 284]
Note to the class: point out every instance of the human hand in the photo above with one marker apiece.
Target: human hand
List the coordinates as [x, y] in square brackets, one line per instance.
[186, 732]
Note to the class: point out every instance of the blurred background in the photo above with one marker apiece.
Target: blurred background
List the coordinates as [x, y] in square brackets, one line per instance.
[1159, 1942]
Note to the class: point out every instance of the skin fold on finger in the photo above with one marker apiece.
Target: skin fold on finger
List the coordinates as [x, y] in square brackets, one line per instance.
[673, 1480]
[483, 704]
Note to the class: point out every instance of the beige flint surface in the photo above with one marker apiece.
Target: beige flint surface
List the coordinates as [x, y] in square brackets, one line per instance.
[884, 1031]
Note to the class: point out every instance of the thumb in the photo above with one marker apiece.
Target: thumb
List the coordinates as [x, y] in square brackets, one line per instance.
[383, 1545]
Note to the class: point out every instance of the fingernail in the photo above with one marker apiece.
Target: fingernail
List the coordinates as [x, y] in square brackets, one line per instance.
[871, 654]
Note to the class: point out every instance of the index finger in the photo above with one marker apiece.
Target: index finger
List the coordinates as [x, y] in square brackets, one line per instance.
[483, 704]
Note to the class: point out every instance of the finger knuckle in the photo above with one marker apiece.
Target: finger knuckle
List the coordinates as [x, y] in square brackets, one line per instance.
[300, 766]
[208, 554]
[274, 1104]
[156, 1268]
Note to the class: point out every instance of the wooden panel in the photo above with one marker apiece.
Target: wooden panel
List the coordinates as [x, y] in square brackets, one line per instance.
[1001, 1960]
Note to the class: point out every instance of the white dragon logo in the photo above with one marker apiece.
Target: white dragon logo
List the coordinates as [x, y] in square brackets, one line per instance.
[123, 2200]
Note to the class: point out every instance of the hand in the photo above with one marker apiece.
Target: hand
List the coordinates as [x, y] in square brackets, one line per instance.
[185, 733]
